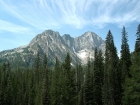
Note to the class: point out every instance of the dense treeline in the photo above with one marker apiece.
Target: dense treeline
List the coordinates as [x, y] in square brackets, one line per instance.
[108, 80]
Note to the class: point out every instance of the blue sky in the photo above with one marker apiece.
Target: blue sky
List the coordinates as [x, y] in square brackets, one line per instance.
[22, 20]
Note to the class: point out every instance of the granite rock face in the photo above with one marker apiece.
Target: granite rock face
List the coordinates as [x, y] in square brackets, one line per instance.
[54, 45]
[84, 45]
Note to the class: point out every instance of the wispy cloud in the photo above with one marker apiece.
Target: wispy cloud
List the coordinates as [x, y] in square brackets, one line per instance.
[7, 26]
[56, 13]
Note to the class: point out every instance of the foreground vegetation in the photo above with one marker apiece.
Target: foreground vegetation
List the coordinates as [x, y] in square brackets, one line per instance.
[109, 80]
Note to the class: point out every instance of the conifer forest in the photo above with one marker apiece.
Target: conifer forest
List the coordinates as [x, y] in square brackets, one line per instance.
[109, 79]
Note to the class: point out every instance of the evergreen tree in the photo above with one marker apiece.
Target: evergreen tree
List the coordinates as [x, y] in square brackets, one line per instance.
[125, 60]
[6, 85]
[98, 77]
[37, 61]
[132, 85]
[31, 89]
[2, 82]
[111, 87]
[44, 65]
[79, 83]
[125, 56]
[45, 61]
[137, 44]
[45, 84]
[88, 85]
[9, 89]
[37, 67]
[45, 92]
[67, 84]
[101, 66]
[81, 98]
[55, 85]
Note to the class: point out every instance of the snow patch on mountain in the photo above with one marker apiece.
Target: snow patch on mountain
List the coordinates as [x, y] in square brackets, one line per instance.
[83, 55]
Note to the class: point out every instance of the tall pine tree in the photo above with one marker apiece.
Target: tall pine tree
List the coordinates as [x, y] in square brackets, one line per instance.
[88, 85]
[111, 87]
[45, 84]
[97, 78]
[125, 59]
[125, 56]
[68, 90]
[132, 85]
[37, 67]
[55, 85]
[137, 44]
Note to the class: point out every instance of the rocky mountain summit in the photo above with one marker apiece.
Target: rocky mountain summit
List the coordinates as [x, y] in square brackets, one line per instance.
[84, 45]
[54, 45]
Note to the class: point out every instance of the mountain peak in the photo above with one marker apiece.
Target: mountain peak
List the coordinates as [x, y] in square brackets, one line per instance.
[54, 45]
[67, 37]
[89, 33]
[49, 32]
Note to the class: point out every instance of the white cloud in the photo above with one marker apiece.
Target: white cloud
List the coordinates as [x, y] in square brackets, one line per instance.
[7, 26]
[56, 13]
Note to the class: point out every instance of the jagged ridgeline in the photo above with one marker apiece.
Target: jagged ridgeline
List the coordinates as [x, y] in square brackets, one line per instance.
[54, 45]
